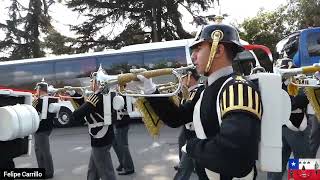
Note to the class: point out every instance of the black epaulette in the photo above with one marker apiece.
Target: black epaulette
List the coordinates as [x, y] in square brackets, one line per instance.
[240, 95]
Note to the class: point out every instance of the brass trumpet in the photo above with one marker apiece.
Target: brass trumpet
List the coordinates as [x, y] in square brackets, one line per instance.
[306, 77]
[287, 73]
[110, 81]
[84, 91]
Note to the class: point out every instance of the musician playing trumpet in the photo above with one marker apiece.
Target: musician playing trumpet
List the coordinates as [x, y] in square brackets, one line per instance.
[42, 144]
[101, 135]
[227, 115]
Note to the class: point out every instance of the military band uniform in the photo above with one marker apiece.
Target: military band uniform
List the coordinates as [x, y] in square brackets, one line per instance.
[181, 142]
[41, 139]
[227, 146]
[314, 131]
[294, 141]
[187, 164]
[101, 135]
[121, 144]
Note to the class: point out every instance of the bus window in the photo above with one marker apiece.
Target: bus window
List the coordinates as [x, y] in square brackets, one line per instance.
[118, 63]
[165, 58]
[314, 44]
[7, 75]
[26, 74]
[69, 72]
[75, 68]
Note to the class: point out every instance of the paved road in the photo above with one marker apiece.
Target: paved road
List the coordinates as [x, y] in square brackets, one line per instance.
[153, 158]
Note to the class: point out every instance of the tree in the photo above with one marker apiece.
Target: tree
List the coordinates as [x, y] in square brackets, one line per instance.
[59, 44]
[144, 20]
[304, 13]
[23, 29]
[267, 28]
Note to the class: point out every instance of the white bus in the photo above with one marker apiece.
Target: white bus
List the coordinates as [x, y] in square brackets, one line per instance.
[74, 70]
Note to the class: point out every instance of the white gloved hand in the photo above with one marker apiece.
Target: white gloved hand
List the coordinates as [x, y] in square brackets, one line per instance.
[71, 92]
[184, 148]
[148, 86]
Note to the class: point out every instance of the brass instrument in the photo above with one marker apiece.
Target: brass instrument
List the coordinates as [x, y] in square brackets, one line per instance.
[167, 87]
[118, 83]
[110, 81]
[84, 91]
[306, 77]
[307, 70]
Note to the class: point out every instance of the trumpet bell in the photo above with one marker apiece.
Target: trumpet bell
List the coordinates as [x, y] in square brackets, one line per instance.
[103, 77]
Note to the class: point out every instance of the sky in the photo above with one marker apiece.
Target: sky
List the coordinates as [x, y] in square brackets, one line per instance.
[237, 10]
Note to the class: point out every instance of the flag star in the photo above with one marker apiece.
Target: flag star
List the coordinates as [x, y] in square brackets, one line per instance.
[293, 164]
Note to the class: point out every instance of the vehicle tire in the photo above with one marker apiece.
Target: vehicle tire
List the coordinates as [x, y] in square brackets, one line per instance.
[65, 118]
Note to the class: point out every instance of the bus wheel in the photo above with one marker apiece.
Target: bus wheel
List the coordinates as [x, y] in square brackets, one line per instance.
[65, 118]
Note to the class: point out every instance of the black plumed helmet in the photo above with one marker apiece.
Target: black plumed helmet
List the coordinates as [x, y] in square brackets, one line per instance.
[230, 35]
[43, 85]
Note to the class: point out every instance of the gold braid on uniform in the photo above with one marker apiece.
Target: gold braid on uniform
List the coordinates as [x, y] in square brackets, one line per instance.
[149, 117]
[74, 104]
[240, 95]
[93, 99]
[313, 95]
[175, 99]
[35, 102]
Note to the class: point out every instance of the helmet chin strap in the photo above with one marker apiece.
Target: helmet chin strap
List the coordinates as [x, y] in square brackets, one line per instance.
[216, 36]
[188, 80]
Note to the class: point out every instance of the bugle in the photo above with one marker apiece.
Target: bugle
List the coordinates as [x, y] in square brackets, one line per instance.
[109, 81]
[287, 73]
[84, 91]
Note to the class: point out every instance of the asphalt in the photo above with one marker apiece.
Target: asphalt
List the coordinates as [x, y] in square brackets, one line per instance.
[154, 159]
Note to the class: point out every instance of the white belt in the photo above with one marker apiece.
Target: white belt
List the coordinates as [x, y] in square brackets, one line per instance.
[216, 176]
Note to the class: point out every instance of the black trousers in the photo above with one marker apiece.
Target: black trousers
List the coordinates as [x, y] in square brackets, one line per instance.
[6, 164]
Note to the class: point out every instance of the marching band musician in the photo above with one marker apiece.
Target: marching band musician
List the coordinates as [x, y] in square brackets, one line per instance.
[187, 164]
[41, 143]
[227, 115]
[295, 133]
[120, 144]
[100, 163]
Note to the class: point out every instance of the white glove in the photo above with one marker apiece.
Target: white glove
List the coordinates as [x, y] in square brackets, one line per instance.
[144, 84]
[148, 86]
[184, 148]
[71, 92]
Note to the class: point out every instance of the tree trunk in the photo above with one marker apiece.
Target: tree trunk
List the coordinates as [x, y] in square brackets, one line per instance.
[34, 27]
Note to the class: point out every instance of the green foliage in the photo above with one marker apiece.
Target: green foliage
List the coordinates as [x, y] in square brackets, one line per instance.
[59, 44]
[145, 21]
[268, 28]
[304, 13]
[23, 29]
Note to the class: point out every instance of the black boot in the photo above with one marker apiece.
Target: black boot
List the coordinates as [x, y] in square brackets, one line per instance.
[119, 168]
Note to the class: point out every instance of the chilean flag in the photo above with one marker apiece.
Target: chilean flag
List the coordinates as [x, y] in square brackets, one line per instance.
[300, 169]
